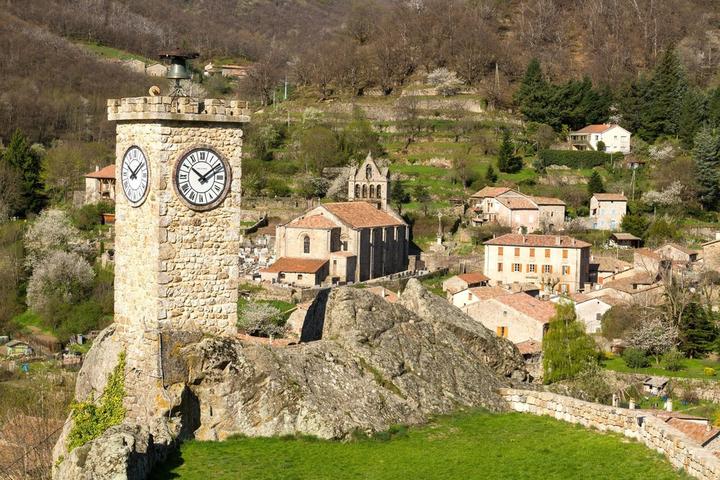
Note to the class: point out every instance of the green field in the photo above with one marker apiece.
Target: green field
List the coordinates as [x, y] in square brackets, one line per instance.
[468, 446]
[693, 368]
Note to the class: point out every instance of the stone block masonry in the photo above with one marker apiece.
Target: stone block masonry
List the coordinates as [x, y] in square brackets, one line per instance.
[680, 450]
[176, 269]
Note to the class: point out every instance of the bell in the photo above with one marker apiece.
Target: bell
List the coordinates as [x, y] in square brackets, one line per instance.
[178, 70]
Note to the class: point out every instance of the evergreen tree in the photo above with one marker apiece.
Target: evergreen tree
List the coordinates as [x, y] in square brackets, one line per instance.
[534, 94]
[668, 89]
[707, 161]
[698, 332]
[713, 108]
[490, 175]
[691, 116]
[20, 157]
[634, 104]
[508, 162]
[567, 349]
[635, 224]
[595, 184]
[398, 195]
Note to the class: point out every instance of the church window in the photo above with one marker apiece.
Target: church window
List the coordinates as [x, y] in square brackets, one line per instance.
[364, 191]
[378, 192]
[357, 191]
[306, 244]
[372, 191]
[368, 172]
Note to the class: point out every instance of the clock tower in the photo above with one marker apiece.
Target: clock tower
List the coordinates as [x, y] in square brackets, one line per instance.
[177, 239]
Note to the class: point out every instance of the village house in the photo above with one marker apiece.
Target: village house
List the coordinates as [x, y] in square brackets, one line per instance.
[556, 263]
[337, 243]
[369, 183]
[588, 310]
[604, 269]
[522, 213]
[18, 348]
[515, 316]
[638, 289]
[711, 254]
[156, 70]
[472, 295]
[615, 138]
[607, 210]
[461, 282]
[100, 185]
[625, 240]
[677, 253]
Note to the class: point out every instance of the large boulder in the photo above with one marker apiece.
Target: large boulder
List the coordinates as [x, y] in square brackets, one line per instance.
[377, 364]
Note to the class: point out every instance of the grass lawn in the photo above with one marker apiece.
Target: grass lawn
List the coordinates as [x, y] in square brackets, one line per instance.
[693, 368]
[31, 323]
[110, 52]
[465, 446]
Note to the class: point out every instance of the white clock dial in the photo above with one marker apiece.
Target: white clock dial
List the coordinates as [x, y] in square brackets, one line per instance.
[202, 178]
[134, 175]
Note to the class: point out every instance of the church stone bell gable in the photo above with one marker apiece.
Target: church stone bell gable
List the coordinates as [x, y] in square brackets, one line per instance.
[177, 242]
[369, 183]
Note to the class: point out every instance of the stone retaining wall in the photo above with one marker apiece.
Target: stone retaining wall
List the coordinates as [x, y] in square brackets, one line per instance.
[680, 450]
[708, 390]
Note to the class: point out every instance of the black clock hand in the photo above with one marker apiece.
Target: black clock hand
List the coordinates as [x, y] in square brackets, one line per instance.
[200, 175]
[215, 170]
[133, 173]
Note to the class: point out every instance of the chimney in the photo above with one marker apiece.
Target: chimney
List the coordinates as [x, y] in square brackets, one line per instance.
[558, 241]
[97, 168]
[717, 235]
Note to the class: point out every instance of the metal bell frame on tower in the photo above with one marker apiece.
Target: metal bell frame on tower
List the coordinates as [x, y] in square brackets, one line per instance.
[178, 69]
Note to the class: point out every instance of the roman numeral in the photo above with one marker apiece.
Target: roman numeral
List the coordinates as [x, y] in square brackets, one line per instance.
[220, 177]
[216, 187]
[184, 187]
[202, 155]
[183, 176]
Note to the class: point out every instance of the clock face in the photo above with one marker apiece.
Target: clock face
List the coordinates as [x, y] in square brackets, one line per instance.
[134, 175]
[202, 178]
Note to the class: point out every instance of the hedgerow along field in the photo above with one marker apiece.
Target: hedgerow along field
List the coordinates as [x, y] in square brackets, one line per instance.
[464, 446]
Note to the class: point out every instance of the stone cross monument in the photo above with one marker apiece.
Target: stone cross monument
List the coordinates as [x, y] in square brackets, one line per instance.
[177, 238]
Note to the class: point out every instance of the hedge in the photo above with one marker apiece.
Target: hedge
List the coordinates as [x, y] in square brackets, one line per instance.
[573, 158]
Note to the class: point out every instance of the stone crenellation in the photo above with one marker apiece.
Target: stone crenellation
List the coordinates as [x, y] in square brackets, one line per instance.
[680, 450]
[178, 108]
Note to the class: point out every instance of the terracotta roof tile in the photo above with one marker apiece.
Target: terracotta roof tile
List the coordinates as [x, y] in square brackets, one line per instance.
[610, 197]
[646, 252]
[516, 239]
[361, 215]
[104, 173]
[490, 192]
[518, 203]
[547, 201]
[677, 247]
[383, 293]
[610, 264]
[529, 346]
[486, 293]
[313, 221]
[473, 277]
[697, 431]
[295, 265]
[597, 128]
[625, 236]
[530, 306]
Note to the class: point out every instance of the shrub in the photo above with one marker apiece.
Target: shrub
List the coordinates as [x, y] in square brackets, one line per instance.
[673, 360]
[635, 358]
[91, 420]
[89, 216]
[51, 231]
[261, 320]
[709, 372]
[690, 396]
[572, 158]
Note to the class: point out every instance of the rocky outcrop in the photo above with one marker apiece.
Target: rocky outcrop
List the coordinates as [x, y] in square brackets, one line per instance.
[377, 364]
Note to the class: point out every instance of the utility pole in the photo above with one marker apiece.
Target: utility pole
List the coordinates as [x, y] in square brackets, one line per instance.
[633, 180]
[285, 96]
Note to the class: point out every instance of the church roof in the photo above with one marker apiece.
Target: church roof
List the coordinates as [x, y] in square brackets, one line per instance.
[362, 215]
[295, 265]
[313, 221]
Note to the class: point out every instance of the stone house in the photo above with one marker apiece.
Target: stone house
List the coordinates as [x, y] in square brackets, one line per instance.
[677, 253]
[639, 289]
[156, 70]
[625, 240]
[516, 316]
[100, 185]
[711, 254]
[17, 348]
[555, 263]
[464, 281]
[356, 240]
[301, 272]
[604, 269]
[590, 310]
[522, 213]
[369, 183]
[607, 210]
[615, 138]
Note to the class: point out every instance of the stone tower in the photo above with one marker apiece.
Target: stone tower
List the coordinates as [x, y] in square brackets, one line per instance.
[176, 264]
[369, 183]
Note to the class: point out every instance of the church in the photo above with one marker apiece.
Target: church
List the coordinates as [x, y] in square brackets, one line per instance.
[337, 243]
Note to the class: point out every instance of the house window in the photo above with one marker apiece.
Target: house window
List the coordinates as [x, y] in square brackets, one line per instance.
[565, 253]
[547, 269]
[532, 268]
[500, 250]
[306, 244]
[502, 332]
[516, 267]
[517, 252]
[500, 267]
[469, 295]
[282, 276]
[564, 288]
[344, 245]
[565, 270]
[547, 253]
[532, 252]
[299, 276]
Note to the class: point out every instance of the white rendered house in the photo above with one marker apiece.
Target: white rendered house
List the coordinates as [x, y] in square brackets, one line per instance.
[615, 138]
